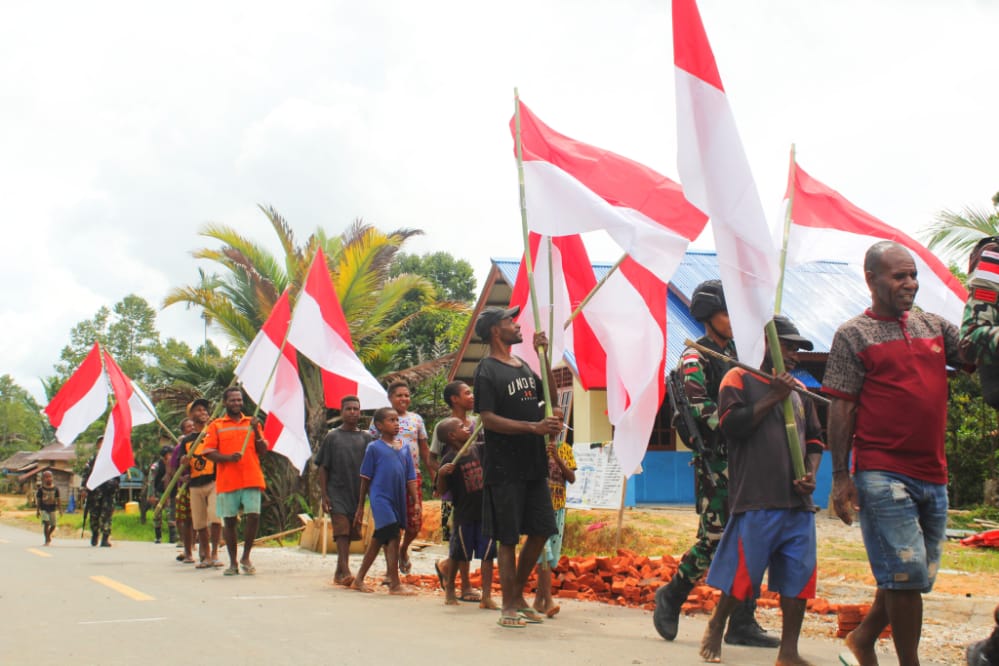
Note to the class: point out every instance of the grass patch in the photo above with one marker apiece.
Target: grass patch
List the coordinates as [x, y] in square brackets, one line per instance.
[971, 560]
[123, 527]
[964, 519]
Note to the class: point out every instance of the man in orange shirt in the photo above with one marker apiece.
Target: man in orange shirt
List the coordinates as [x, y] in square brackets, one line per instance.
[239, 480]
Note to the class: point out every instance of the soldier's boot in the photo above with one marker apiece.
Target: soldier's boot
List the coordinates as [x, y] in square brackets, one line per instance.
[93, 538]
[105, 540]
[158, 532]
[174, 537]
[743, 629]
[669, 599]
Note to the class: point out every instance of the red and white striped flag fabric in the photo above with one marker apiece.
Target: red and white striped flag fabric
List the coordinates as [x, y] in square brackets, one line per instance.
[825, 226]
[81, 400]
[319, 330]
[131, 408]
[628, 315]
[572, 188]
[284, 399]
[717, 180]
[572, 280]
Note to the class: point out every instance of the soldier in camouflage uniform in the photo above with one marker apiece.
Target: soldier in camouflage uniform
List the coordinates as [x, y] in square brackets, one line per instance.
[100, 502]
[980, 324]
[702, 377]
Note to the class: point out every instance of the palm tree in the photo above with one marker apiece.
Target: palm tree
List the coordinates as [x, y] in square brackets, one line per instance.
[954, 233]
[240, 299]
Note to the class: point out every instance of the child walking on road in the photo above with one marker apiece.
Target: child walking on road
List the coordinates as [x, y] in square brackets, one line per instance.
[47, 505]
[388, 475]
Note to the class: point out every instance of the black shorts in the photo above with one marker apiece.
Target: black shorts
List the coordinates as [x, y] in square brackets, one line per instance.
[388, 533]
[513, 508]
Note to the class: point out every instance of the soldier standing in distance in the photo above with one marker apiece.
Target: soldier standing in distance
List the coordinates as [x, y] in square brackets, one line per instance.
[702, 377]
[101, 501]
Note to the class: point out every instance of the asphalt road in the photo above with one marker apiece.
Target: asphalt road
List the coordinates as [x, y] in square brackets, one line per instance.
[133, 603]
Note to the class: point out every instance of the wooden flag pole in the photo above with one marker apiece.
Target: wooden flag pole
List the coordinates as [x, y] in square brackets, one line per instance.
[593, 291]
[620, 514]
[528, 262]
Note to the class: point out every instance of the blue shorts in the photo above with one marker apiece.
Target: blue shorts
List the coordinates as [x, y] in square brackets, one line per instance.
[553, 547]
[469, 543]
[781, 539]
[227, 504]
[904, 523]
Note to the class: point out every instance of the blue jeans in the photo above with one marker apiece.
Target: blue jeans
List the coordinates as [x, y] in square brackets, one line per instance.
[904, 522]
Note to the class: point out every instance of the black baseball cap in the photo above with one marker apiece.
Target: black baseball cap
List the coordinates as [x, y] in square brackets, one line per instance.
[491, 316]
[199, 401]
[786, 330]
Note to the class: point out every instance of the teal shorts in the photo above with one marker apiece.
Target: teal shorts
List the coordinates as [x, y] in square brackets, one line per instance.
[553, 547]
[227, 504]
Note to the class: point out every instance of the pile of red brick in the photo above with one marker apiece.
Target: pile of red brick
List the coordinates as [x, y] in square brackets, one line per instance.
[849, 617]
[627, 579]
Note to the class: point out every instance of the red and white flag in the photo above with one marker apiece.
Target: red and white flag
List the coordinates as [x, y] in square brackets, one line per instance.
[81, 400]
[628, 315]
[717, 180]
[284, 399]
[131, 408]
[572, 279]
[827, 227]
[572, 188]
[319, 330]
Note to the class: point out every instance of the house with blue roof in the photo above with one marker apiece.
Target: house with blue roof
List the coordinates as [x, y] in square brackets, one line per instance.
[818, 297]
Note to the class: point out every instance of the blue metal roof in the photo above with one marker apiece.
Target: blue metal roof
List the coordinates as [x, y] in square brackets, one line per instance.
[818, 297]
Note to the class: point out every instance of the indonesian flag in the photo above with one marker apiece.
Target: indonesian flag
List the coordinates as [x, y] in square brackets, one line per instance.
[319, 330]
[572, 188]
[628, 315]
[717, 180]
[81, 400]
[572, 280]
[284, 399]
[825, 226]
[131, 408]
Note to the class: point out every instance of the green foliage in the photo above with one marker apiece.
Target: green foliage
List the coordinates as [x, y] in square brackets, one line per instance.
[954, 233]
[22, 427]
[972, 454]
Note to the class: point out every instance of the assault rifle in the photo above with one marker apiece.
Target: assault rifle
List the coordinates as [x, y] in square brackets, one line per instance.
[687, 429]
[86, 510]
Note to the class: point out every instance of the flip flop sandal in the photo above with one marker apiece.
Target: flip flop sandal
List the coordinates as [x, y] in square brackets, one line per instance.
[511, 622]
[530, 616]
[218, 564]
[231, 571]
[470, 597]
[248, 569]
[204, 564]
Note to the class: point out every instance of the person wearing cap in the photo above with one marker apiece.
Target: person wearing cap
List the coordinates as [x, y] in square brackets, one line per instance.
[980, 323]
[157, 485]
[772, 522]
[887, 377]
[180, 498]
[516, 500]
[702, 376]
[205, 522]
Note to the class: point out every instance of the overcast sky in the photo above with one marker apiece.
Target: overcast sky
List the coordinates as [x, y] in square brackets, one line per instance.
[125, 127]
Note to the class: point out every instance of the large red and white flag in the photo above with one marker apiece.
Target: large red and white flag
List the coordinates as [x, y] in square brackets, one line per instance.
[572, 279]
[284, 398]
[717, 180]
[827, 227]
[572, 188]
[628, 315]
[81, 400]
[131, 408]
[319, 330]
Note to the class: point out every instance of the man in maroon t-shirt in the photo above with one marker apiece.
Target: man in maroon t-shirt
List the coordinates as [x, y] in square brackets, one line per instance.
[887, 376]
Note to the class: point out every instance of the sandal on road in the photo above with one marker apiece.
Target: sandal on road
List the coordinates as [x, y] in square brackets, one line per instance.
[530, 616]
[203, 564]
[248, 569]
[231, 571]
[511, 622]
[470, 597]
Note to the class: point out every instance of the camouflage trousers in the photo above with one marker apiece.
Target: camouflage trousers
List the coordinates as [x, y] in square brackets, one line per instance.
[101, 509]
[712, 508]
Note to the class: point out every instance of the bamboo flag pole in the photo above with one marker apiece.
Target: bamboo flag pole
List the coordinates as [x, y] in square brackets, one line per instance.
[600, 283]
[152, 410]
[528, 262]
[468, 442]
[773, 342]
[620, 514]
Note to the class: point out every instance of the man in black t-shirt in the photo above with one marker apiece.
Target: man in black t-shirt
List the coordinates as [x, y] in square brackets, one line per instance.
[515, 498]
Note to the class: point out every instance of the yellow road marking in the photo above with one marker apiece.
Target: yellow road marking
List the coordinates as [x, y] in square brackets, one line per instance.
[39, 553]
[121, 588]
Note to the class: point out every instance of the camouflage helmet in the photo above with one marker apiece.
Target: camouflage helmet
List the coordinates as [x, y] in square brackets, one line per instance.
[707, 299]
